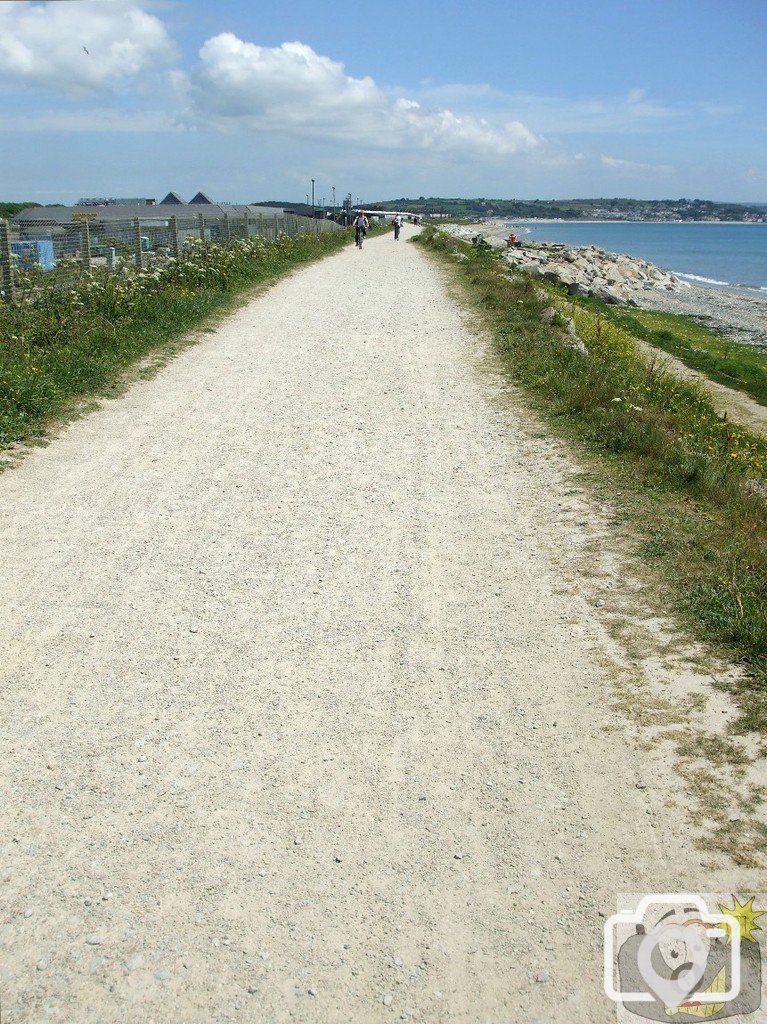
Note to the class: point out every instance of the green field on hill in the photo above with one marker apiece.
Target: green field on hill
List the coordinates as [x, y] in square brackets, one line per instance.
[575, 209]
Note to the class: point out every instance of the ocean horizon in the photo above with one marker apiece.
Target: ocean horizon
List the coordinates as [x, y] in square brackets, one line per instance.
[710, 254]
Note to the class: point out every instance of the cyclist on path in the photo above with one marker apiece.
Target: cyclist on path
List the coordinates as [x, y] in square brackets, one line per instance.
[361, 225]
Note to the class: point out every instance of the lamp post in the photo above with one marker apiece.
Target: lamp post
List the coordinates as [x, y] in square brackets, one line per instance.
[334, 202]
[312, 198]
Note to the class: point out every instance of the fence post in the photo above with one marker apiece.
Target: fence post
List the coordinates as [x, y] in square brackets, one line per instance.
[137, 243]
[6, 266]
[247, 229]
[227, 228]
[201, 225]
[85, 246]
[175, 248]
[261, 225]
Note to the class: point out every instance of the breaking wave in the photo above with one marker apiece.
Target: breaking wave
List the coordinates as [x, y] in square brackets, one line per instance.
[703, 280]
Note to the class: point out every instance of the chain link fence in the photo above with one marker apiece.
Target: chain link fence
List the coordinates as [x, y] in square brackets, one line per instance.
[141, 242]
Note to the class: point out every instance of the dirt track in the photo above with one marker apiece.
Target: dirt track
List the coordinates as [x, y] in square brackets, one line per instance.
[301, 720]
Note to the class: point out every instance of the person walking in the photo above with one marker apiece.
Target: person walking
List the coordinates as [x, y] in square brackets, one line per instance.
[397, 224]
[361, 225]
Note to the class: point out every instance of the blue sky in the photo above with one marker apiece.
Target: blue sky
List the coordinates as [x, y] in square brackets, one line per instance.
[250, 101]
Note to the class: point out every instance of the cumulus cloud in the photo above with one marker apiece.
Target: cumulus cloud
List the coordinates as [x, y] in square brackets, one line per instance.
[79, 47]
[296, 91]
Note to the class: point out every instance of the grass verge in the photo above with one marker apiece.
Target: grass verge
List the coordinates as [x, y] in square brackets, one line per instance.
[692, 485]
[67, 337]
[721, 359]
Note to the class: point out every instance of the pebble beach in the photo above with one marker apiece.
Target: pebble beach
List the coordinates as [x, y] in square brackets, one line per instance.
[738, 315]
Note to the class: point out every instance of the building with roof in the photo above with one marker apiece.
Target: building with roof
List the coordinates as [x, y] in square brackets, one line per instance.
[160, 212]
[103, 201]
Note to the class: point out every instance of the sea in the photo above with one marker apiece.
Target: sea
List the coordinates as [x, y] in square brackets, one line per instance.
[708, 254]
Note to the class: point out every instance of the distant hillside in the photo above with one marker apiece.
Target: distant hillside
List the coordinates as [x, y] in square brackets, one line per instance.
[9, 210]
[580, 209]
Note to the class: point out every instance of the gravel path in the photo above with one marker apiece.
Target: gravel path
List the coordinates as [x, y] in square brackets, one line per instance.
[299, 720]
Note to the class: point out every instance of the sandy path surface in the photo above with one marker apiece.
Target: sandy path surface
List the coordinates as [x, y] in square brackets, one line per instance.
[299, 721]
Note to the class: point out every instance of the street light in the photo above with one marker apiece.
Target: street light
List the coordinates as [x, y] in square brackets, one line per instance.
[334, 202]
[312, 198]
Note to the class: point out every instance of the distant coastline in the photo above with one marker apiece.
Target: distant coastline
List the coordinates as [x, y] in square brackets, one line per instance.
[598, 209]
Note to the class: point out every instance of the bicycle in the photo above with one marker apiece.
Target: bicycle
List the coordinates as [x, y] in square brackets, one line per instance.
[359, 237]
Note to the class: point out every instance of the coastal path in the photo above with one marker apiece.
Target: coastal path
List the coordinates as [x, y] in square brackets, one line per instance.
[303, 717]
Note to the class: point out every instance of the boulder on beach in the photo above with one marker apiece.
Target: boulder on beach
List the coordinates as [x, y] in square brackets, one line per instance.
[583, 270]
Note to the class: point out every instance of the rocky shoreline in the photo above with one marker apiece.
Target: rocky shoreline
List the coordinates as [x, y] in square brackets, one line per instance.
[584, 269]
[588, 270]
[626, 280]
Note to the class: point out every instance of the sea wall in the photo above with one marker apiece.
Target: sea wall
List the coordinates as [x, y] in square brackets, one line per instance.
[588, 270]
[584, 270]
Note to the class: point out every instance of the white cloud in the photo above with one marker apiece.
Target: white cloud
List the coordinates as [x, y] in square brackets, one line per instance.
[635, 167]
[295, 91]
[629, 113]
[79, 47]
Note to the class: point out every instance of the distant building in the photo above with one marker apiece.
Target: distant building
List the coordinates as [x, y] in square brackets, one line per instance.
[110, 221]
[172, 199]
[201, 197]
[103, 201]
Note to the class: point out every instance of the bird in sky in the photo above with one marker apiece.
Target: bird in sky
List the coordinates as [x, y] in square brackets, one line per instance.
[87, 50]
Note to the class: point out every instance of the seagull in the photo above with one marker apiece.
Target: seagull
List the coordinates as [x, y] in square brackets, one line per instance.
[87, 50]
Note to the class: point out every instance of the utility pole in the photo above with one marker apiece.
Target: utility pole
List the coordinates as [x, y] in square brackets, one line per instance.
[334, 202]
[312, 198]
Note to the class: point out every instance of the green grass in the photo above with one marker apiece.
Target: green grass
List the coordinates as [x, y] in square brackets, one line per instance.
[722, 359]
[65, 340]
[683, 474]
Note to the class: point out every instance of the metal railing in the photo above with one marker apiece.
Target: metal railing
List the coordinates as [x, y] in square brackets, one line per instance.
[142, 242]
